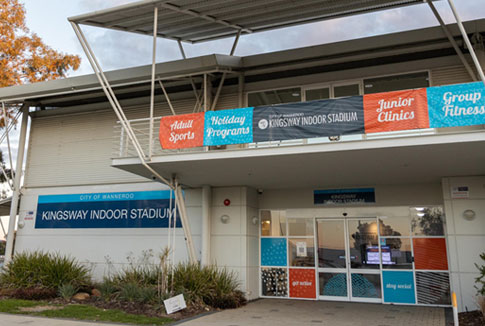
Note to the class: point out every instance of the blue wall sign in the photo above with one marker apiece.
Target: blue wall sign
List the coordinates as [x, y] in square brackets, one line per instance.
[344, 196]
[228, 127]
[456, 105]
[398, 287]
[142, 209]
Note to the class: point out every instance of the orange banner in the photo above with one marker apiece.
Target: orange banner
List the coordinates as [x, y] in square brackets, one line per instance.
[182, 131]
[393, 111]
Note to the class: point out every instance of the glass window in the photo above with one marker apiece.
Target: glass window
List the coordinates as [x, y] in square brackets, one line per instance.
[317, 94]
[333, 284]
[396, 83]
[427, 221]
[346, 90]
[300, 227]
[364, 246]
[274, 282]
[277, 96]
[273, 223]
[433, 288]
[331, 244]
[366, 285]
[396, 253]
[302, 252]
[394, 226]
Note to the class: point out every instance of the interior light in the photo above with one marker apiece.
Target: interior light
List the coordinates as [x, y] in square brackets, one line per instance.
[421, 214]
[295, 94]
[419, 209]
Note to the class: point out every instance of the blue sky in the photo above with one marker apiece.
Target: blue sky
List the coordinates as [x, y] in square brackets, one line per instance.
[48, 18]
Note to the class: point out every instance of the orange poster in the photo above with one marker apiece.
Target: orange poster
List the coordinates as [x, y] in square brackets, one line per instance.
[393, 111]
[182, 131]
[302, 283]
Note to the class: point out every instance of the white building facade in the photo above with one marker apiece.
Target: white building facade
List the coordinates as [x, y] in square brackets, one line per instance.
[387, 217]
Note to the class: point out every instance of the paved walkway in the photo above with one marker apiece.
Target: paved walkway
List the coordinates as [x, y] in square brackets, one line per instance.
[268, 312]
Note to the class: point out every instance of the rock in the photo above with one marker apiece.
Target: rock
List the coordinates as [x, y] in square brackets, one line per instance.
[95, 293]
[81, 296]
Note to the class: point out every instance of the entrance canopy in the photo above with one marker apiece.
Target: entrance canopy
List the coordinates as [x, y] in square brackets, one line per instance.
[196, 21]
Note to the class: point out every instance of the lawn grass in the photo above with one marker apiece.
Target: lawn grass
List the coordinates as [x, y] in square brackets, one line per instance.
[12, 306]
[81, 312]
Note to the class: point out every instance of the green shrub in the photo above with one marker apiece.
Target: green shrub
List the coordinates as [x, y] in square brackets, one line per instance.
[44, 270]
[134, 292]
[107, 289]
[67, 291]
[214, 286]
[480, 280]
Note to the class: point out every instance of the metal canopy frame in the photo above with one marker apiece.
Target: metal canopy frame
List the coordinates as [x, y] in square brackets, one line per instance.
[195, 21]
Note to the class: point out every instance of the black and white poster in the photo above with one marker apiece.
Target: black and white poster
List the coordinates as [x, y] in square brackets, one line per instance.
[322, 118]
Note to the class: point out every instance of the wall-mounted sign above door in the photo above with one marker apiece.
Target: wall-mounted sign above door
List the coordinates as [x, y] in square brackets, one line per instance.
[344, 196]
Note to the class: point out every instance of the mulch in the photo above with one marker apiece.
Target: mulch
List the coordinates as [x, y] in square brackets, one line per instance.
[471, 318]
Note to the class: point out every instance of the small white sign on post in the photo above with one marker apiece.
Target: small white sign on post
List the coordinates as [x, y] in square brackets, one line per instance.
[175, 304]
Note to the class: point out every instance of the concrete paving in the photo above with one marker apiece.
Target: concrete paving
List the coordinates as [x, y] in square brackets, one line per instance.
[268, 312]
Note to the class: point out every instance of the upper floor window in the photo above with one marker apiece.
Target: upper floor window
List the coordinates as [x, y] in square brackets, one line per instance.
[277, 96]
[396, 83]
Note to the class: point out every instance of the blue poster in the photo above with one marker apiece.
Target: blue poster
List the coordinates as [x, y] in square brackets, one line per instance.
[142, 209]
[273, 252]
[398, 287]
[456, 105]
[228, 127]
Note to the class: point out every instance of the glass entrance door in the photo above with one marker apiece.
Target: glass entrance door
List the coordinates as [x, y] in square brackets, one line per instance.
[349, 260]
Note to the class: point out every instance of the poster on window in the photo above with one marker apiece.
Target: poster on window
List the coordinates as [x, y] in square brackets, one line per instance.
[394, 111]
[322, 118]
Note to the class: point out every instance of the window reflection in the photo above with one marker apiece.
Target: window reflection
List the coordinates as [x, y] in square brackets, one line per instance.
[427, 221]
[364, 246]
[273, 223]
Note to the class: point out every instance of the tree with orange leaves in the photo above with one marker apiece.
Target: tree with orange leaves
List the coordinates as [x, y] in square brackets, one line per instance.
[24, 58]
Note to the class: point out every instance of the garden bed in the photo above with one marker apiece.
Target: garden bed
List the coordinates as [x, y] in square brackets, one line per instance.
[471, 318]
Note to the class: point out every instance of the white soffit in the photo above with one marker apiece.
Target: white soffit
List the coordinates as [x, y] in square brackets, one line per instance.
[196, 21]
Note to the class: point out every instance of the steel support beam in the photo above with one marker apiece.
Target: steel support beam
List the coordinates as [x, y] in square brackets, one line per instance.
[167, 98]
[185, 223]
[16, 193]
[5, 120]
[205, 258]
[129, 131]
[467, 41]
[452, 41]
[114, 102]
[152, 91]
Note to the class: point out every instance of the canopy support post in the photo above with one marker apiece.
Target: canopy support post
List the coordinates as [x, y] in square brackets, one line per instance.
[452, 40]
[467, 41]
[152, 90]
[166, 97]
[16, 193]
[179, 198]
